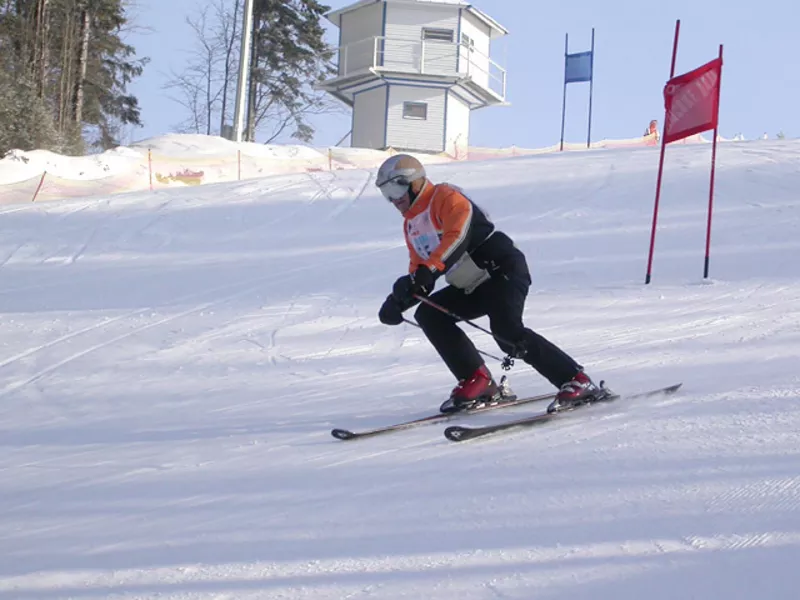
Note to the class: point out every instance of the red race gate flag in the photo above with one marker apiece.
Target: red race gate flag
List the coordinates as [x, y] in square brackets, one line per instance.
[692, 106]
[692, 102]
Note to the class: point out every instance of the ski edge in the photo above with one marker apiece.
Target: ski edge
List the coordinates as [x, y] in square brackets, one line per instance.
[460, 433]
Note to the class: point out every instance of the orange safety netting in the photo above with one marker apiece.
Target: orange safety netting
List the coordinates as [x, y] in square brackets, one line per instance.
[153, 170]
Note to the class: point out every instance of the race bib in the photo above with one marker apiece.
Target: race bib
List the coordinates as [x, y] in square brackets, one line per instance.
[423, 235]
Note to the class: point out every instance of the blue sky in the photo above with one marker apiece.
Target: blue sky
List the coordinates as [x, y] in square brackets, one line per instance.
[760, 81]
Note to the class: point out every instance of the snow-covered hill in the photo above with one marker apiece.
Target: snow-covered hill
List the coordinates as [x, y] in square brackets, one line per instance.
[171, 365]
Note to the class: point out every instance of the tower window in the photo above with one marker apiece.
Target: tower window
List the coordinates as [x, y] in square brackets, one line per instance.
[415, 110]
[437, 35]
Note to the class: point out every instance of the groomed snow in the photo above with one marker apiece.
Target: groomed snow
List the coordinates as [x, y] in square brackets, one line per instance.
[171, 365]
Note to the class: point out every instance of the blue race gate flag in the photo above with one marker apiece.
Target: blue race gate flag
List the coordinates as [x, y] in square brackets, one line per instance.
[578, 67]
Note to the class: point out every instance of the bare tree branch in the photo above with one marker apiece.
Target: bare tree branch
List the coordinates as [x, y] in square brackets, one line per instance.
[285, 66]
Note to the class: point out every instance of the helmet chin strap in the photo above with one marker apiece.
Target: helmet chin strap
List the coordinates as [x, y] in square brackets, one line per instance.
[412, 195]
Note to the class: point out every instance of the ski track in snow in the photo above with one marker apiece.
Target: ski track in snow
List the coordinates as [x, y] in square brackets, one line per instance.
[171, 366]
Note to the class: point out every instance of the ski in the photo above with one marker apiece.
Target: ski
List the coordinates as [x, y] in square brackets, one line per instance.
[459, 433]
[345, 434]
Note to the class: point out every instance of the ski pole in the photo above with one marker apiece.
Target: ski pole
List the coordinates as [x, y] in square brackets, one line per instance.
[486, 354]
[430, 302]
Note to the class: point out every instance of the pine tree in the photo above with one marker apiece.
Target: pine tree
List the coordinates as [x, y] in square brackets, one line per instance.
[289, 57]
[65, 60]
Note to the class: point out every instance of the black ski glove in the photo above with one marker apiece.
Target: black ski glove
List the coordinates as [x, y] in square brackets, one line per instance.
[424, 280]
[391, 313]
[420, 283]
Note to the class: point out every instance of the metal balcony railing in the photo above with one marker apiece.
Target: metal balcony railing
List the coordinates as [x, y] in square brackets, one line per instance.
[424, 57]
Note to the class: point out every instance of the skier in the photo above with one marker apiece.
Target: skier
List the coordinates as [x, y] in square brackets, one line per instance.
[448, 234]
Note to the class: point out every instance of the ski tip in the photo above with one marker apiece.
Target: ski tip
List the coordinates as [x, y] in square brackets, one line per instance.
[673, 388]
[342, 434]
[456, 433]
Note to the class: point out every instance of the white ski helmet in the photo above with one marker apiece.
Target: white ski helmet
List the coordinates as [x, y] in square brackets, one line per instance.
[396, 174]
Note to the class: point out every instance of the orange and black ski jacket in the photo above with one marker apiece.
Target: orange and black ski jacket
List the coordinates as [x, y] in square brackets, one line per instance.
[443, 223]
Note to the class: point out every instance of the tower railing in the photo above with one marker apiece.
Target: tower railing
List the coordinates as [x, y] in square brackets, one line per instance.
[422, 57]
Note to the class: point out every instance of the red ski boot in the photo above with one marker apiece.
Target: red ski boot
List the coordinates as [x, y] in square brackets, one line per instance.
[579, 390]
[478, 389]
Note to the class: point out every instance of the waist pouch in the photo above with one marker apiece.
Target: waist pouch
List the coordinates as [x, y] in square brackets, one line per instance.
[466, 275]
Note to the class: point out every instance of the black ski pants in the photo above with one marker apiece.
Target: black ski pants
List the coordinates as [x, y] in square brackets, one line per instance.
[502, 300]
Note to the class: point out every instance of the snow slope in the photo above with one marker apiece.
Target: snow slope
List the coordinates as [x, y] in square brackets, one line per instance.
[171, 365]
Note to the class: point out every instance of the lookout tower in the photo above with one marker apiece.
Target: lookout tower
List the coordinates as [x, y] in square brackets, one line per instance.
[413, 70]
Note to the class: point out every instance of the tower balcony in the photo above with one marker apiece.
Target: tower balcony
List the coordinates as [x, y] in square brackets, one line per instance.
[424, 61]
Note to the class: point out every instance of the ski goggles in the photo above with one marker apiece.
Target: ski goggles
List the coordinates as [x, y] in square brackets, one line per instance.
[394, 189]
